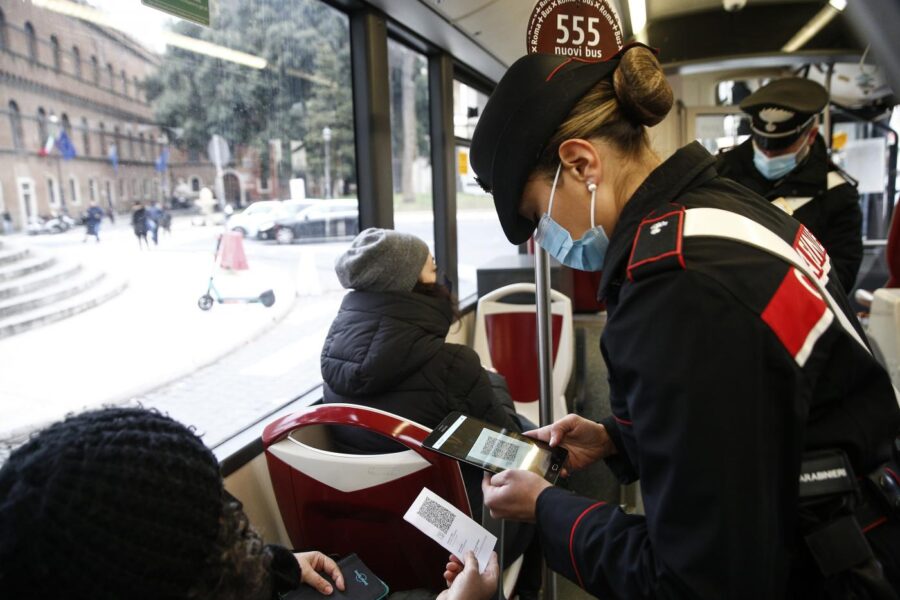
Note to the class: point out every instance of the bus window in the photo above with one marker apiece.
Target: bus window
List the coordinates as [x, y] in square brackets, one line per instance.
[410, 142]
[267, 80]
[480, 238]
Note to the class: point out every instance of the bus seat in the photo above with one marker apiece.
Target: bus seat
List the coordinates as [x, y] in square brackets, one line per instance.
[506, 340]
[343, 503]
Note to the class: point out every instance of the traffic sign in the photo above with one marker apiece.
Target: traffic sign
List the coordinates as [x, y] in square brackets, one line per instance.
[218, 151]
[584, 29]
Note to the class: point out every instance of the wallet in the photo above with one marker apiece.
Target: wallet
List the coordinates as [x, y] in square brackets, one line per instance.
[359, 584]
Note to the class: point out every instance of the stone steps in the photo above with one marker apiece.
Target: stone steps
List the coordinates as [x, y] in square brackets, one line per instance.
[13, 255]
[105, 289]
[69, 286]
[37, 289]
[26, 266]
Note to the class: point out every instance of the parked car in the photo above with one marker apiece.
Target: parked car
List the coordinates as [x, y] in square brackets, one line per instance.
[324, 220]
[247, 221]
[288, 210]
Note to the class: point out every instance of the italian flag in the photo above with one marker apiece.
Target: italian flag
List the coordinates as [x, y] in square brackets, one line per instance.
[47, 148]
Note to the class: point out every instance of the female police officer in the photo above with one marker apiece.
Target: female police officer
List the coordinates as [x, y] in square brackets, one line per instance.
[726, 361]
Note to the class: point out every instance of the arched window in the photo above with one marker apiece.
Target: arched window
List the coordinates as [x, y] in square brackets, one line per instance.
[15, 123]
[117, 139]
[95, 67]
[85, 136]
[124, 83]
[102, 134]
[67, 125]
[3, 42]
[42, 125]
[142, 145]
[57, 53]
[76, 59]
[195, 184]
[137, 87]
[32, 42]
[112, 76]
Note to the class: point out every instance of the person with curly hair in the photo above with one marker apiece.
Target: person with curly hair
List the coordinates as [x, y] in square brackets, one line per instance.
[128, 503]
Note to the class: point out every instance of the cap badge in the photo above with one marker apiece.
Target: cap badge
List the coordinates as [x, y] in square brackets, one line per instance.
[773, 116]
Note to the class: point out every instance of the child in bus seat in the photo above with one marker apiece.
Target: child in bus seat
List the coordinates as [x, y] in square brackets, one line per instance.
[126, 503]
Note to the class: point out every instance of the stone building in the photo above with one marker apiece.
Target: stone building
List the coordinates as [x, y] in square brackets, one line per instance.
[62, 73]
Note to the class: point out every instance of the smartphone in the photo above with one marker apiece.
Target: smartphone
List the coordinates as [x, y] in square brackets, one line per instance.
[493, 448]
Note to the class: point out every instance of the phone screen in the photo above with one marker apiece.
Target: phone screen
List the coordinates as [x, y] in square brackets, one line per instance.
[493, 448]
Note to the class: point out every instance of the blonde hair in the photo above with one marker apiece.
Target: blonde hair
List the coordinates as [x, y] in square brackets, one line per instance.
[617, 110]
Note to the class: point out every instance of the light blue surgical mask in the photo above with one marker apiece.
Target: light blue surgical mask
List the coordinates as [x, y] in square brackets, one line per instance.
[584, 254]
[777, 167]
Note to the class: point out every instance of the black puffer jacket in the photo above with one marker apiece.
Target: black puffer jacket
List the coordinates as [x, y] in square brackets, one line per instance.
[387, 350]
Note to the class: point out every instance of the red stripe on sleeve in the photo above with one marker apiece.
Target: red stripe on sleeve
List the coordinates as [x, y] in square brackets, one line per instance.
[572, 540]
[794, 314]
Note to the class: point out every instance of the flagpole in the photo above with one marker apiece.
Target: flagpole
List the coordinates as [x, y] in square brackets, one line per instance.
[59, 181]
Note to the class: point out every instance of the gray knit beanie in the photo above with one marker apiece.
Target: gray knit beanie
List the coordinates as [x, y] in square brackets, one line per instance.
[382, 260]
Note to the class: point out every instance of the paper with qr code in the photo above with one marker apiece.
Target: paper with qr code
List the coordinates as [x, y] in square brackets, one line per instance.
[449, 527]
[496, 449]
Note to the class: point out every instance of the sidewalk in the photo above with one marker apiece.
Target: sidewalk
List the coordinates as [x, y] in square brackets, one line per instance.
[151, 334]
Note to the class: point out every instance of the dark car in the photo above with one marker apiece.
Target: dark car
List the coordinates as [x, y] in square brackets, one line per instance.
[287, 210]
[323, 220]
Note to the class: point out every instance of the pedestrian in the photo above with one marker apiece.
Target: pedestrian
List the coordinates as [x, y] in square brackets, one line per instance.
[786, 162]
[128, 503]
[729, 365]
[7, 222]
[165, 221]
[139, 224]
[92, 221]
[154, 216]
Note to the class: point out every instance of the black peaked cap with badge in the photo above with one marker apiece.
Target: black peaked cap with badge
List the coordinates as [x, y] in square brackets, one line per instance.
[532, 100]
[783, 110]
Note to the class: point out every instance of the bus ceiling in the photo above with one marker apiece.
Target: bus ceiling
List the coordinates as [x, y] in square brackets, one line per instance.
[694, 35]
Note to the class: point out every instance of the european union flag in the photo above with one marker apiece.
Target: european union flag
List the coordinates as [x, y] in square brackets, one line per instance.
[66, 148]
[113, 156]
[162, 161]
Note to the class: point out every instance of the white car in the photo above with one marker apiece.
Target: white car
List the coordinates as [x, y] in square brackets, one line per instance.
[247, 221]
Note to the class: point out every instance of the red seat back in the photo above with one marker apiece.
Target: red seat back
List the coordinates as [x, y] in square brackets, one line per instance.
[512, 341]
[367, 521]
[892, 252]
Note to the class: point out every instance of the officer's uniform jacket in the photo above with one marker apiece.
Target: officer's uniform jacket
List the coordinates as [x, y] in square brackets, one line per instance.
[817, 195]
[723, 370]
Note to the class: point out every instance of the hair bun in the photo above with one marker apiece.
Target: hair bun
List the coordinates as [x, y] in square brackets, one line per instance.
[641, 87]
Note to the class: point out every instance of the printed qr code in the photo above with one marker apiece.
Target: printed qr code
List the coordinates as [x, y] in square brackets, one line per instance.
[436, 514]
[497, 448]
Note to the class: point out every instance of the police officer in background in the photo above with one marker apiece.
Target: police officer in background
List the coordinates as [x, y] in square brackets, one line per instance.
[786, 162]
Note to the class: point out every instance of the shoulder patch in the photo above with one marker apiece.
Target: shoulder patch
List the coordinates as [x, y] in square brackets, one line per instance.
[657, 246]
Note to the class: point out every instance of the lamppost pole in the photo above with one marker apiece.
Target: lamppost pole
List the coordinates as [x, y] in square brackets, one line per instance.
[326, 136]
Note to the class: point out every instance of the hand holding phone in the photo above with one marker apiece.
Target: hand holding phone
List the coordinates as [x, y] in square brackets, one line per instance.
[493, 448]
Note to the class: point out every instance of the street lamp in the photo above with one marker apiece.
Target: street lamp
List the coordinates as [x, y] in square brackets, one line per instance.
[326, 136]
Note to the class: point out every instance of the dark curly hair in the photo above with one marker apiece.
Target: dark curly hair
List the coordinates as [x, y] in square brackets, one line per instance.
[239, 569]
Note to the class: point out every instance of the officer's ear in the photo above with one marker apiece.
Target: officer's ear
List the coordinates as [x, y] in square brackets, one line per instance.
[581, 160]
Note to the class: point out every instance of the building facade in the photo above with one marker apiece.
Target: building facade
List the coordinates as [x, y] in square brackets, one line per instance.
[59, 73]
